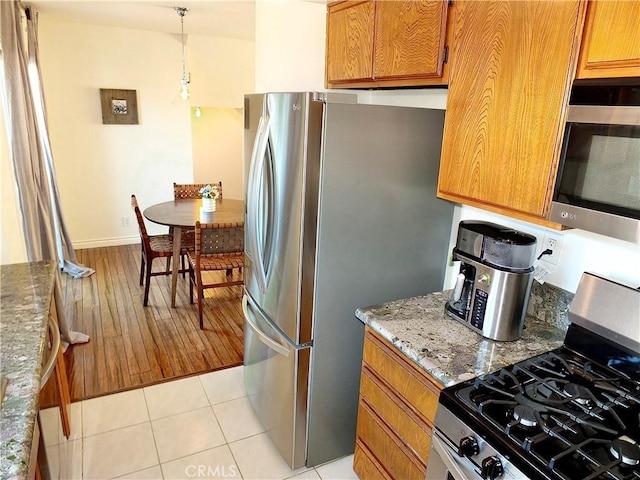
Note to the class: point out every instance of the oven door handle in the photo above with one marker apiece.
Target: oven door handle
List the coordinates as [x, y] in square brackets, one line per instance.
[450, 462]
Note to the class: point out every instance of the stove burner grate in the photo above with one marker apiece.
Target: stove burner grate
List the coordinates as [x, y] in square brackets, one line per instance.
[567, 414]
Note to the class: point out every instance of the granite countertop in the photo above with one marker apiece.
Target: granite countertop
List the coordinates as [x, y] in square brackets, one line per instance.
[451, 352]
[26, 290]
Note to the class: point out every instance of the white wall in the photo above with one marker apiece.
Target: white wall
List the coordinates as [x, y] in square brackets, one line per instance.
[99, 166]
[217, 148]
[290, 45]
[222, 71]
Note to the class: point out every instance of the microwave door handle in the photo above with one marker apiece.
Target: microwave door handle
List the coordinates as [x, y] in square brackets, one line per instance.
[256, 173]
[446, 457]
[606, 115]
[263, 337]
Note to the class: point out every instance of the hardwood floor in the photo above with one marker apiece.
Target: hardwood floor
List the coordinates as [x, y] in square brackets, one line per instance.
[132, 346]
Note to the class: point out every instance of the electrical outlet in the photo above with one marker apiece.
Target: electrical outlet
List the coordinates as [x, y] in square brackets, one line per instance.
[126, 222]
[553, 243]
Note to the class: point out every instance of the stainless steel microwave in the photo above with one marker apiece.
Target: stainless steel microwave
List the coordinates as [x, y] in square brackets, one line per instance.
[598, 183]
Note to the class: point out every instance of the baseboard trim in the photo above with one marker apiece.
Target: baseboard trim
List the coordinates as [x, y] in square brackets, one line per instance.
[106, 242]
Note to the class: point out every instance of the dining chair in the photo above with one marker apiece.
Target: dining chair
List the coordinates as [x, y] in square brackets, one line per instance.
[218, 246]
[156, 246]
[192, 190]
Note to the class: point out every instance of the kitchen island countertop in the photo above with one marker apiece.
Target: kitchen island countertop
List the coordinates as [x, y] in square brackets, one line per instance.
[451, 352]
[26, 290]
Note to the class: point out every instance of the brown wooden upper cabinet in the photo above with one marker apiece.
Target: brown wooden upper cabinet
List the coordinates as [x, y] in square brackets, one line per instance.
[388, 43]
[506, 106]
[611, 40]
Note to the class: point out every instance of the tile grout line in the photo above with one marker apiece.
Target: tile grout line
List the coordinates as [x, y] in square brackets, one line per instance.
[153, 435]
[227, 443]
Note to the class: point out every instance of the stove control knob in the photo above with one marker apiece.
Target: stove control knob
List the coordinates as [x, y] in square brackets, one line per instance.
[468, 447]
[491, 468]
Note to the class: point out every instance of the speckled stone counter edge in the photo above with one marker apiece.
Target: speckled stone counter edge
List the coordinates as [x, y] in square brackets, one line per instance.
[26, 291]
[451, 352]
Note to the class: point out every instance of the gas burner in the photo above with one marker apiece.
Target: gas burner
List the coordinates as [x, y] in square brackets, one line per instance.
[525, 416]
[578, 393]
[628, 453]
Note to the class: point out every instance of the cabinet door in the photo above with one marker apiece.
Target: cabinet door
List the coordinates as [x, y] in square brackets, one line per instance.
[508, 92]
[409, 38]
[349, 53]
[611, 41]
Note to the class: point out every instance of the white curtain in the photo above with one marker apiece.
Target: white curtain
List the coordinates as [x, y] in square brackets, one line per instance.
[44, 229]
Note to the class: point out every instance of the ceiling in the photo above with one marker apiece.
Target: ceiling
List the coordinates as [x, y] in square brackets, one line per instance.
[220, 18]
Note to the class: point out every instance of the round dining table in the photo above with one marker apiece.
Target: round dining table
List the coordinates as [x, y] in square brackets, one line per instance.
[180, 214]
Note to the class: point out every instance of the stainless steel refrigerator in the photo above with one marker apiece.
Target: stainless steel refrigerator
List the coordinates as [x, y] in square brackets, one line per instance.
[341, 213]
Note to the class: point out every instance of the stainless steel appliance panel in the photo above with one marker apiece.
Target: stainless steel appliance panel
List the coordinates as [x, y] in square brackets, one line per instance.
[445, 461]
[597, 298]
[276, 376]
[275, 203]
[341, 213]
[598, 181]
[382, 235]
[496, 273]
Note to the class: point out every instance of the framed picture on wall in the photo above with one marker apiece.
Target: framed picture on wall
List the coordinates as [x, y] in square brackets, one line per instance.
[119, 107]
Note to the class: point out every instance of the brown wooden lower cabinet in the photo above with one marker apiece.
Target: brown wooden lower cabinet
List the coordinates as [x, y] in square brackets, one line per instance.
[396, 410]
[366, 465]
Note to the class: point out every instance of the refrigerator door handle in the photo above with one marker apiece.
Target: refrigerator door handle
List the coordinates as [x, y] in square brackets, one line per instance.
[263, 337]
[256, 172]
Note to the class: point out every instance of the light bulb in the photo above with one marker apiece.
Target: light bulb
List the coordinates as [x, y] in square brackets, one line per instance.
[198, 112]
[184, 93]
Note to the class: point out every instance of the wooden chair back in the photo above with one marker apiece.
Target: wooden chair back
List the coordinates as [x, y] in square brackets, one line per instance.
[191, 190]
[144, 236]
[218, 246]
[214, 239]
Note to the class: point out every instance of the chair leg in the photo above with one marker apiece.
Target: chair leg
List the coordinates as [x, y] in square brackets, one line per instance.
[142, 266]
[200, 298]
[146, 285]
[168, 270]
[182, 263]
[191, 283]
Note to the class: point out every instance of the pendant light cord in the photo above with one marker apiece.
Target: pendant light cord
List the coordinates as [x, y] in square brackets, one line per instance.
[182, 11]
[184, 63]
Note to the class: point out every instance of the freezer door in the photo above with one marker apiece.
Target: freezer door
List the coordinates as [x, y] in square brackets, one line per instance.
[276, 376]
[282, 161]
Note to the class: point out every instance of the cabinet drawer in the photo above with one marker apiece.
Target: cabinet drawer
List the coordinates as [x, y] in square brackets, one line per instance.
[386, 448]
[400, 376]
[409, 427]
[366, 466]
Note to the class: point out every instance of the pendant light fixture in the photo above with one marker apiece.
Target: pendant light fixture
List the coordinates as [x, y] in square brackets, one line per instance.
[186, 77]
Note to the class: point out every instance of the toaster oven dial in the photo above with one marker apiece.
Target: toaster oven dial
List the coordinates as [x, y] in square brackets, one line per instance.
[468, 447]
[491, 468]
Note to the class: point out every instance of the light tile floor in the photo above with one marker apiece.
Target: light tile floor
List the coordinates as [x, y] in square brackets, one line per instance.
[193, 428]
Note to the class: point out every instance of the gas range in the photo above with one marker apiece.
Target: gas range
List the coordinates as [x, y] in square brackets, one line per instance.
[572, 413]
